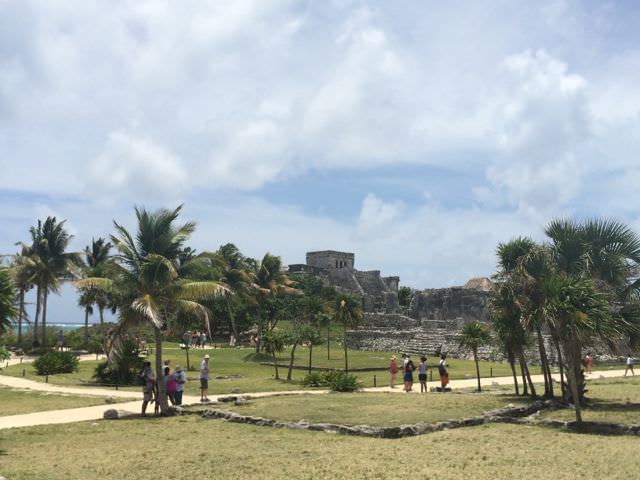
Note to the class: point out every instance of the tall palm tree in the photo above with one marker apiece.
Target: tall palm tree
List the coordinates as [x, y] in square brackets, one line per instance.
[8, 310]
[146, 279]
[270, 282]
[475, 335]
[348, 313]
[52, 262]
[23, 273]
[97, 265]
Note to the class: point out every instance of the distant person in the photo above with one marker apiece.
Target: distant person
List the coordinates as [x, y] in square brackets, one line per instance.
[393, 371]
[408, 374]
[422, 374]
[442, 371]
[180, 378]
[588, 362]
[148, 381]
[232, 340]
[170, 385]
[204, 379]
[629, 365]
[60, 340]
[203, 340]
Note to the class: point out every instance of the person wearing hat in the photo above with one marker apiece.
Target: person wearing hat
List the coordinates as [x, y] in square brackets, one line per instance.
[393, 370]
[180, 378]
[204, 379]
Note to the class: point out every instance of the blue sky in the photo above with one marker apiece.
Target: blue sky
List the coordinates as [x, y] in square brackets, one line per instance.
[417, 135]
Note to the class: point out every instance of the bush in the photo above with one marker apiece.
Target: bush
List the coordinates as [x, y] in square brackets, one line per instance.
[124, 367]
[313, 379]
[27, 339]
[54, 362]
[344, 382]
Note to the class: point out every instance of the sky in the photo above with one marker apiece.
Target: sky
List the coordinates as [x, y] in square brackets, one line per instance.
[416, 134]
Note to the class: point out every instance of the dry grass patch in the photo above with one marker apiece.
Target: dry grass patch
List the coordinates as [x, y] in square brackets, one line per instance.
[16, 402]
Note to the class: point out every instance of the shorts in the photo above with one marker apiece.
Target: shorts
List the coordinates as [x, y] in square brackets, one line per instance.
[204, 383]
[147, 396]
[408, 377]
[422, 377]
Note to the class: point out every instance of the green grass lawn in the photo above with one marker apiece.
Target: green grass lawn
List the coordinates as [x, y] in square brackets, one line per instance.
[383, 409]
[608, 400]
[252, 376]
[15, 402]
[192, 447]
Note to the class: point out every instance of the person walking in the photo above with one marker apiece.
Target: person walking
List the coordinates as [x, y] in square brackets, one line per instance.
[180, 378]
[442, 371]
[148, 381]
[170, 385]
[393, 370]
[203, 340]
[422, 374]
[204, 379]
[629, 365]
[588, 362]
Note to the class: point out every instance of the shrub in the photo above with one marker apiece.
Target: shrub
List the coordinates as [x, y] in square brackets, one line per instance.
[54, 362]
[313, 379]
[344, 382]
[123, 368]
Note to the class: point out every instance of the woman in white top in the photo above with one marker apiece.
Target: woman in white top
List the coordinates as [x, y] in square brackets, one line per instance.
[629, 366]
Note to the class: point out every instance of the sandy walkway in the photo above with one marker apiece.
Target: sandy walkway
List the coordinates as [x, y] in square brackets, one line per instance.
[96, 412]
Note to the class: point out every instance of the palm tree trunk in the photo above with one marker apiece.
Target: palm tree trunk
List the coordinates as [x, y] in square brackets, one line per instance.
[275, 365]
[44, 317]
[310, 354]
[86, 326]
[20, 316]
[101, 310]
[560, 363]
[512, 364]
[573, 357]
[544, 362]
[293, 351]
[346, 358]
[162, 391]
[475, 359]
[232, 320]
[526, 375]
[35, 322]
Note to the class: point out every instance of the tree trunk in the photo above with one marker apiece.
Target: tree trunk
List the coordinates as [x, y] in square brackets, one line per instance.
[574, 357]
[275, 365]
[35, 322]
[346, 358]
[525, 388]
[475, 359]
[20, 316]
[293, 352]
[86, 326]
[310, 354]
[101, 310]
[512, 364]
[544, 362]
[44, 317]
[162, 391]
[232, 320]
[560, 362]
[526, 376]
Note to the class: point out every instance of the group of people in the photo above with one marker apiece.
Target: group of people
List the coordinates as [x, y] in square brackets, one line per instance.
[173, 382]
[194, 339]
[408, 367]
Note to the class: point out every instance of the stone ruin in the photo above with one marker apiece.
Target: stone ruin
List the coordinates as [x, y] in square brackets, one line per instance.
[433, 322]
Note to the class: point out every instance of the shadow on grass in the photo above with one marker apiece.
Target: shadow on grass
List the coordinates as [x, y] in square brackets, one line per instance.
[612, 406]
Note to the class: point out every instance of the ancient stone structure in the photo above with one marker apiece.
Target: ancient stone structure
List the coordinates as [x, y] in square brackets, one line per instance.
[378, 293]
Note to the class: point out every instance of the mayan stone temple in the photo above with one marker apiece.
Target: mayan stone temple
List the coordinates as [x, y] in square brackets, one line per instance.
[432, 323]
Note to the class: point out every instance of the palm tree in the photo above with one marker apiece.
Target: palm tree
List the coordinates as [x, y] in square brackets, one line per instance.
[98, 263]
[8, 309]
[348, 313]
[23, 273]
[146, 279]
[270, 282]
[52, 263]
[474, 335]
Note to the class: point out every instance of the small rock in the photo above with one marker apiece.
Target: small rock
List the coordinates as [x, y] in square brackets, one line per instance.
[241, 401]
[111, 414]
[109, 400]
[235, 390]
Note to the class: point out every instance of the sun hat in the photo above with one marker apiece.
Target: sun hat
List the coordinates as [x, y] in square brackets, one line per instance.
[207, 356]
[178, 368]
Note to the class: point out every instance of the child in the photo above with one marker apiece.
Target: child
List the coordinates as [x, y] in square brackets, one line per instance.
[422, 374]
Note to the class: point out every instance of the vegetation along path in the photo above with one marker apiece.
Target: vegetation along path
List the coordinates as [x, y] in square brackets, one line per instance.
[97, 412]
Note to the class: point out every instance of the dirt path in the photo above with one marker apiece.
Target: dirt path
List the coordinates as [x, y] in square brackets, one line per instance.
[96, 412]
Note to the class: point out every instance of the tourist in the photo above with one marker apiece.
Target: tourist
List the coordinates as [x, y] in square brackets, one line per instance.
[180, 379]
[170, 385]
[148, 380]
[196, 339]
[393, 370]
[232, 340]
[588, 362]
[629, 365]
[408, 374]
[203, 340]
[204, 379]
[442, 371]
[422, 374]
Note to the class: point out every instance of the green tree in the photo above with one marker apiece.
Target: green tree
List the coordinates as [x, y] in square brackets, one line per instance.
[274, 342]
[405, 295]
[474, 335]
[8, 310]
[348, 313]
[22, 270]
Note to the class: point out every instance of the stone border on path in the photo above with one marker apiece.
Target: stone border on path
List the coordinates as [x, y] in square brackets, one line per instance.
[400, 431]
